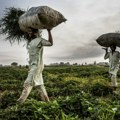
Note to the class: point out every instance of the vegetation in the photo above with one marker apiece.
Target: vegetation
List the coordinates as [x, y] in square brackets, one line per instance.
[76, 93]
[9, 24]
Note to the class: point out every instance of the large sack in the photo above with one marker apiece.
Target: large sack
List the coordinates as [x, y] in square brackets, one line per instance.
[42, 17]
[108, 39]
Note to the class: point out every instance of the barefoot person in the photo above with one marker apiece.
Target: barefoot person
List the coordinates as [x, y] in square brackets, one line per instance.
[114, 57]
[34, 78]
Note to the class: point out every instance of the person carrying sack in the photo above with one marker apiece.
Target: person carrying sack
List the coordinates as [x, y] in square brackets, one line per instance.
[34, 78]
[114, 57]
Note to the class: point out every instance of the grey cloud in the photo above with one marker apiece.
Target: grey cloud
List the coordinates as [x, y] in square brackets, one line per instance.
[8, 59]
[105, 23]
[90, 50]
[7, 56]
[75, 39]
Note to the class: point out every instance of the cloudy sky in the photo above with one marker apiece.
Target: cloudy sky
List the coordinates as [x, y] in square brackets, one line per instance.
[74, 41]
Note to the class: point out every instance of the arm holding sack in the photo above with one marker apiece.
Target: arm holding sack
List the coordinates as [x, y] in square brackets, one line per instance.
[48, 42]
[107, 53]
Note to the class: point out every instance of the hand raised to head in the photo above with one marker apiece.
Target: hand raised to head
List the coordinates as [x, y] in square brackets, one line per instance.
[106, 49]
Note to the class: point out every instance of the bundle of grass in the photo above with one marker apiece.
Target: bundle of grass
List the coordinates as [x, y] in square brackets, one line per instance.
[9, 24]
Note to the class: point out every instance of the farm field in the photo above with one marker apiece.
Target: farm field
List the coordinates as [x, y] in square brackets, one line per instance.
[76, 93]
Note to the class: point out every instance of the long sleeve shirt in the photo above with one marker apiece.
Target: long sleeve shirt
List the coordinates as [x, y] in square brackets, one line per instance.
[35, 50]
[113, 60]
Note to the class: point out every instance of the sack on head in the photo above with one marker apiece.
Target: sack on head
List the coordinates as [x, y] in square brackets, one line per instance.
[42, 17]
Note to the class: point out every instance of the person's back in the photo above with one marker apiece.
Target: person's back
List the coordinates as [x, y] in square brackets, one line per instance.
[114, 57]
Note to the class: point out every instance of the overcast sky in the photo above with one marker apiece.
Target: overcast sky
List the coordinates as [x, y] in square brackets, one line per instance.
[74, 41]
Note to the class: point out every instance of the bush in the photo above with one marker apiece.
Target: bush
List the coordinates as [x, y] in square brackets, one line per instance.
[34, 110]
[74, 94]
[8, 98]
[99, 89]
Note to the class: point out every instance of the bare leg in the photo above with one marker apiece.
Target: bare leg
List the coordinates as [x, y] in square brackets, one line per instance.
[43, 94]
[26, 91]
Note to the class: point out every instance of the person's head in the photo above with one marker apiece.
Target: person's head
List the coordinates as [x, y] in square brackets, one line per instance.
[113, 47]
[32, 33]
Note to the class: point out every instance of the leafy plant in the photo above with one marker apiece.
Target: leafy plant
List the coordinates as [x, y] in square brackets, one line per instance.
[9, 24]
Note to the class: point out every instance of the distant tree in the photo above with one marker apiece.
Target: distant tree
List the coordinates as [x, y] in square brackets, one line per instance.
[75, 64]
[14, 64]
[20, 66]
[95, 63]
[1, 65]
[82, 64]
[117, 31]
[67, 63]
[61, 63]
[26, 66]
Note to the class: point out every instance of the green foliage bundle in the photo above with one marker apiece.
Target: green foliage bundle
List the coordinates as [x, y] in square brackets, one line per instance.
[9, 24]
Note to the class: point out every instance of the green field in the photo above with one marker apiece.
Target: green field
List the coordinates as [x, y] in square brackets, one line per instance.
[76, 93]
